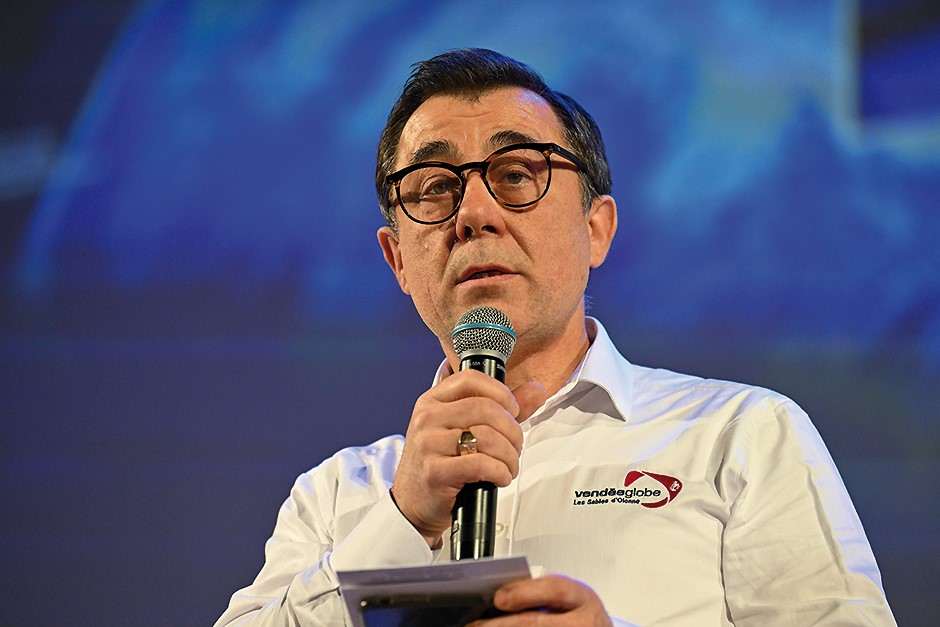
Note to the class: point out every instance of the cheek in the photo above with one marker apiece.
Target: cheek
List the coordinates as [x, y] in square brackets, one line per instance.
[565, 256]
[423, 263]
[573, 243]
[578, 255]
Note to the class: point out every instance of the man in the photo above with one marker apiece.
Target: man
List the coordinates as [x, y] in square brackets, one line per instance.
[658, 498]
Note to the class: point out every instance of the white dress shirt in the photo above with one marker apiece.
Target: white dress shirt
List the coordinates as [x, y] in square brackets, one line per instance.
[679, 500]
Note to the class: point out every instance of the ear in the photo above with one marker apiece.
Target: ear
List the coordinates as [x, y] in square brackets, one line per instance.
[602, 225]
[388, 241]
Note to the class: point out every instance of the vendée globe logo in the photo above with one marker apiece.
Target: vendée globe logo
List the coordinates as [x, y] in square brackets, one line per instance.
[652, 494]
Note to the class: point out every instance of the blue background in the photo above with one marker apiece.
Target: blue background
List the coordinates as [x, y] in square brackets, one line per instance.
[195, 309]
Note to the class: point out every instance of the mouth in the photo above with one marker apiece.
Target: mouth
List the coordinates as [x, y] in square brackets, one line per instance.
[478, 273]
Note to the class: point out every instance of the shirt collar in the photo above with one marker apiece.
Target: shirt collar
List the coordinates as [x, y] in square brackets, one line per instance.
[603, 366]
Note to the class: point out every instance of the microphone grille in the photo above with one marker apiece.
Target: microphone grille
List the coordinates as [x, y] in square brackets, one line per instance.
[484, 328]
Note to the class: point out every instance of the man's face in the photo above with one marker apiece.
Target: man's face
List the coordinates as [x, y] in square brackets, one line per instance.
[533, 263]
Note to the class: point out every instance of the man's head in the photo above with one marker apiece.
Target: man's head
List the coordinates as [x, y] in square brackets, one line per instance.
[470, 73]
[467, 155]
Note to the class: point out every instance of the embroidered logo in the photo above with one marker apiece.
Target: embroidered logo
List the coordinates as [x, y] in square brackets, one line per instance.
[671, 484]
[657, 490]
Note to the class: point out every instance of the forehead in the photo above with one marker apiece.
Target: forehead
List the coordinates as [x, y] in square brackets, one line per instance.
[462, 128]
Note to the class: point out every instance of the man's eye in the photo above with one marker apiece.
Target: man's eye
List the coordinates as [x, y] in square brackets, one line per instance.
[517, 177]
[512, 176]
[440, 186]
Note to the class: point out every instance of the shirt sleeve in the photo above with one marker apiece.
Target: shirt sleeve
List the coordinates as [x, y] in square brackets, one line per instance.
[297, 584]
[793, 550]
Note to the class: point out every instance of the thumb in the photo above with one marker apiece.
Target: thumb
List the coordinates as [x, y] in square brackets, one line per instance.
[530, 397]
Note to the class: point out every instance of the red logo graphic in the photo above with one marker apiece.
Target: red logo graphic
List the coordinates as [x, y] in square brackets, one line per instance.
[672, 485]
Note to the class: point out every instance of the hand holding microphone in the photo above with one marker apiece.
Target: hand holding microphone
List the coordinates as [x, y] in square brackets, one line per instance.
[432, 472]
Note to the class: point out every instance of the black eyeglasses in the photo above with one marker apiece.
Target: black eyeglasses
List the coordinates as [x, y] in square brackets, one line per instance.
[515, 176]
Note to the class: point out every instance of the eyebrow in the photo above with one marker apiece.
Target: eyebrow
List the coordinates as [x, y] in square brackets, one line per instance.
[440, 150]
[436, 150]
[507, 138]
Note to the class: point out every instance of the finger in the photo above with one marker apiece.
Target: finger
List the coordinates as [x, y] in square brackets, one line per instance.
[441, 419]
[443, 445]
[467, 383]
[455, 472]
[462, 414]
[529, 396]
[553, 592]
[493, 443]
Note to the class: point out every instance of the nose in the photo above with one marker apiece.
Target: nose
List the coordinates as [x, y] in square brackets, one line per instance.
[479, 212]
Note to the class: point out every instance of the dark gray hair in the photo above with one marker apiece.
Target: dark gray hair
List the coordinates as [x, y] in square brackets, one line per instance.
[473, 72]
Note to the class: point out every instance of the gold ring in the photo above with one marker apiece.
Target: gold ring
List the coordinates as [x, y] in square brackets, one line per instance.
[467, 444]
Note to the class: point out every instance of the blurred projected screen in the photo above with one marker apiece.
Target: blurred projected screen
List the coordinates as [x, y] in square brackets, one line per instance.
[223, 164]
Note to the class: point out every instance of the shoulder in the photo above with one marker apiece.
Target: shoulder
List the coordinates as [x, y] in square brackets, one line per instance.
[372, 464]
[752, 430]
[690, 396]
[383, 452]
[327, 501]
[346, 484]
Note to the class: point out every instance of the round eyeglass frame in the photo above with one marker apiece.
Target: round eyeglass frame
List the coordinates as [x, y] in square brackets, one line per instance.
[546, 148]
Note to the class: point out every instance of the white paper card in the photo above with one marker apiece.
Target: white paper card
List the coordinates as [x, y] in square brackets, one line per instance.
[467, 577]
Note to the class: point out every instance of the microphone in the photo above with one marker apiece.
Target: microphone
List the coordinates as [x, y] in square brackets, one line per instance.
[483, 340]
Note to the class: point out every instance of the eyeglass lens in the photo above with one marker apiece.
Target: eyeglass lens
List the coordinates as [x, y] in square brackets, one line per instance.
[515, 179]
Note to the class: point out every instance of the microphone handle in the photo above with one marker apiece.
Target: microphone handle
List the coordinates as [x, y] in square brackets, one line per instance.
[473, 529]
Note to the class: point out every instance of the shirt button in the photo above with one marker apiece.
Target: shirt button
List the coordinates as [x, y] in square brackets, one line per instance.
[500, 528]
